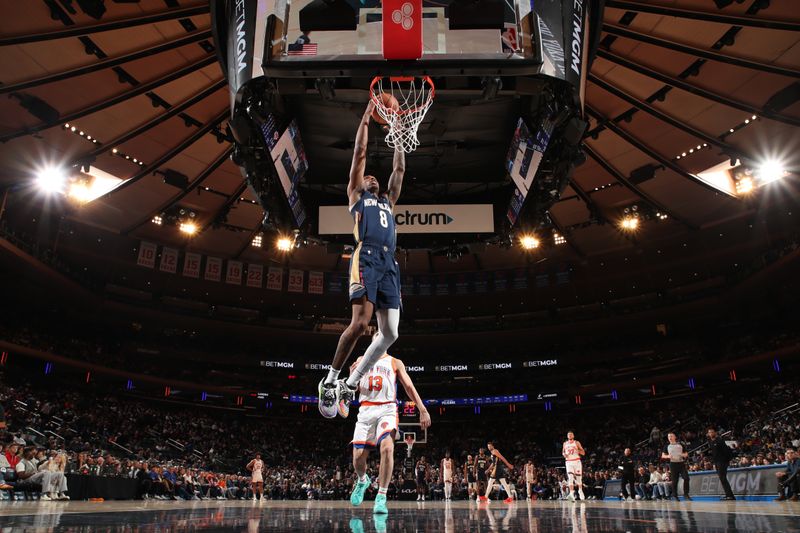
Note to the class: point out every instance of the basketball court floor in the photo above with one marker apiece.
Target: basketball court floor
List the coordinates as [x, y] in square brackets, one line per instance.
[461, 516]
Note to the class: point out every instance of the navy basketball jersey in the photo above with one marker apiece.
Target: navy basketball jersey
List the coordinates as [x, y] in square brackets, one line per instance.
[374, 223]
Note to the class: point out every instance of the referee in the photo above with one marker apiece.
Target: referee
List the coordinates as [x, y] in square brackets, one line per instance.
[677, 465]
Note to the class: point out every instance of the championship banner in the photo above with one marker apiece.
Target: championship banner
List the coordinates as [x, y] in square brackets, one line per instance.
[233, 274]
[315, 282]
[255, 275]
[191, 265]
[213, 268]
[296, 280]
[444, 218]
[169, 260]
[275, 279]
[147, 255]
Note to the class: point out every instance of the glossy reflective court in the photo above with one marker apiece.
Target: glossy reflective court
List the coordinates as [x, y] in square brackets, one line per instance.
[403, 516]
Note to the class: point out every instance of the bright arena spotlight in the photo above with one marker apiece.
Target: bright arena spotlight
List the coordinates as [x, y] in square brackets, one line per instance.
[629, 223]
[769, 171]
[189, 228]
[284, 244]
[529, 242]
[51, 179]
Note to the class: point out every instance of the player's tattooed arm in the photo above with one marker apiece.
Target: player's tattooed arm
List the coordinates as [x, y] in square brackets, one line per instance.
[359, 163]
[396, 179]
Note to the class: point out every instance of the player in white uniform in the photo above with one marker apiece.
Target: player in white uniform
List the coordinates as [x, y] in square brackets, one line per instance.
[572, 452]
[529, 478]
[256, 466]
[377, 424]
[446, 475]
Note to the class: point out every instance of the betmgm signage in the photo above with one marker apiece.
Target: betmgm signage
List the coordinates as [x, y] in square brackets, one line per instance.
[443, 218]
[752, 481]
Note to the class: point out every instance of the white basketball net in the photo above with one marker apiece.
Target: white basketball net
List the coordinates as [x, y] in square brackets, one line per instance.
[414, 97]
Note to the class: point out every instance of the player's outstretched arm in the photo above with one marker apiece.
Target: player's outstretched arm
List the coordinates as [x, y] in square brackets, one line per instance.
[356, 183]
[396, 179]
[408, 385]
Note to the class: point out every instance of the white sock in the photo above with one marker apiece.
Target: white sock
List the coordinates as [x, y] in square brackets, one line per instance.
[333, 375]
[364, 478]
[383, 490]
[388, 321]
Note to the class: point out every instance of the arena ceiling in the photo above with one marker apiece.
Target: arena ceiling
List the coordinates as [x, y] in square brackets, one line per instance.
[672, 92]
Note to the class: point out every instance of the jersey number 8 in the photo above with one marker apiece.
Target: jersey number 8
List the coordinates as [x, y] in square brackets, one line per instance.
[384, 219]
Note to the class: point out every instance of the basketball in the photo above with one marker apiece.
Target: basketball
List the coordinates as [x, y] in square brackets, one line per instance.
[388, 101]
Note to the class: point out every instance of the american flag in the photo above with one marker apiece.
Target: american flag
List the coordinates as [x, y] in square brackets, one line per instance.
[309, 49]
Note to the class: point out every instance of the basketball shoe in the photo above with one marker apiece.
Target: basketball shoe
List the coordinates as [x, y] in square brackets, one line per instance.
[357, 496]
[345, 396]
[380, 505]
[327, 398]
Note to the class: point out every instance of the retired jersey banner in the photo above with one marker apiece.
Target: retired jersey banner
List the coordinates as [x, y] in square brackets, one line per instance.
[255, 276]
[444, 218]
[275, 279]
[335, 282]
[233, 274]
[169, 260]
[213, 268]
[315, 282]
[296, 280]
[191, 265]
[147, 255]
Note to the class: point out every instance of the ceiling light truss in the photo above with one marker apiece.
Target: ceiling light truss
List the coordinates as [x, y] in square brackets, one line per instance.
[181, 195]
[630, 139]
[694, 89]
[114, 100]
[89, 29]
[160, 118]
[721, 18]
[699, 52]
[649, 109]
[107, 63]
[633, 188]
[148, 169]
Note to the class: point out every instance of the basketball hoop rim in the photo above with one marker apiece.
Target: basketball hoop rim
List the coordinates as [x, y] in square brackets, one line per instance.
[426, 79]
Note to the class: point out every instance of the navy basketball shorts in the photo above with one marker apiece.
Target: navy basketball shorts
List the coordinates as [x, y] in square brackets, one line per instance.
[374, 272]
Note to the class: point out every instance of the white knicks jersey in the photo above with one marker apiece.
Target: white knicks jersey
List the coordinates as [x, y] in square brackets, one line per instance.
[379, 385]
[570, 451]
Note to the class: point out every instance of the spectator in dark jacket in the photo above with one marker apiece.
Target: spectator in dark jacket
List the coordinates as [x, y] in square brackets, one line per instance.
[789, 479]
[721, 456]
[627, 468]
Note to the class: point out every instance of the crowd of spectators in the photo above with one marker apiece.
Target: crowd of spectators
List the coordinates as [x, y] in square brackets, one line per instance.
[178, 451]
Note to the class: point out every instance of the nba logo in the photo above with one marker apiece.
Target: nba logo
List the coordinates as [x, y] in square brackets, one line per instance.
[402, 29]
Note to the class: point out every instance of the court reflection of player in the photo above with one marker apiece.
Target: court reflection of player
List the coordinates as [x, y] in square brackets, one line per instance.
[423, 472]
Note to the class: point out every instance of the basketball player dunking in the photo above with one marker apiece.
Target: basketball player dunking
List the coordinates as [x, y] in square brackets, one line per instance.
[374, 276]
[530, 478]
[469, 476]
[497, 471]
[256, 467]
[572, 452]
[446, 475]
[377, 424]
